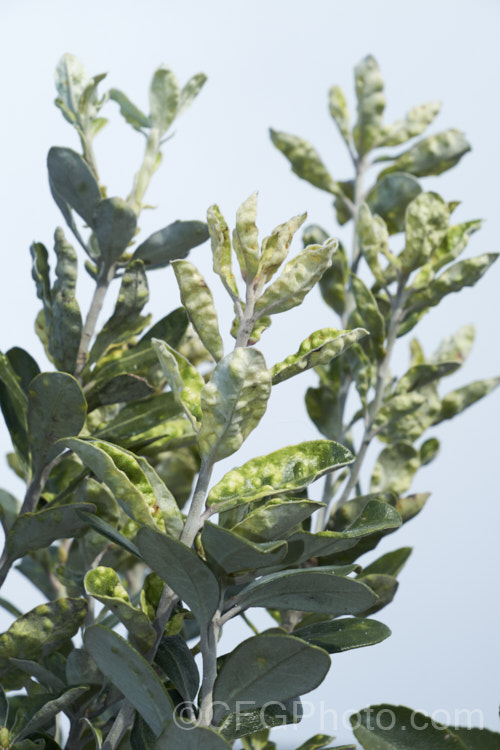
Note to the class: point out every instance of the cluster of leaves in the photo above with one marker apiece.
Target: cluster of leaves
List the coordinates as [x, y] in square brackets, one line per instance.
[115, 441]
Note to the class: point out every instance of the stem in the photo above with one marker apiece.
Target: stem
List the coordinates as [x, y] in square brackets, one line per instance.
[249, 623]
[146, 171]
[103, 282]
[209, 639]
[200, 493]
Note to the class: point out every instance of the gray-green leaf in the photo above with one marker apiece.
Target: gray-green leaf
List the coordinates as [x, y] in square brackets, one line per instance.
[163, 98]
[171, 243]
[74, 182]
[432, 155]
[199, 303]
[115, 224]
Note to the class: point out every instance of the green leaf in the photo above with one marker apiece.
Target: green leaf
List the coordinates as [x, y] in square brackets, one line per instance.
[389, 564]
[65, 329]
[387, 727]
[14, 404]
[284, 470]
[232, 553]
[178, 664]
[384, 587]
[275, 519]
[308, 590]
[390, 197]
[373, 240]
[324, 409]
[316, 742]
[317, 349]
[40, 273]
[41, 631]
[190, 737]
[297, 279]
[409, 426]
[190, 91]
[395, 468]
[74, 182]
[24, 366]
[50, 710]
[129, 111]
[171, 243]
[9, 510]
[456, 401]
[245, 238]
[368, 313]
[104, 585]
[56, 409]
[139, 417]
[71, 80]
[339, 111]
[233, 402]
[427, 219]
[432, 155]
[221, 249]
[415, 122]
[396, 407]
[275, 247]
[454, 242]
[456, 277]
[39, 672]
[419, 375]
[428, 451]
[126, 319]
[456, 347]
[371, 104]
[268, 668]
[163, 98]
[115, 224]
[335, 636]
[332, 284]
[198, 301]
[274, 714]
[121, 472]
[4, 707]
[166, 502]
[131, 674]
[108, 531]
[305, 160]
[38, 530]
[184, 380]
[180, 567]
[478, 739]
[122, 388]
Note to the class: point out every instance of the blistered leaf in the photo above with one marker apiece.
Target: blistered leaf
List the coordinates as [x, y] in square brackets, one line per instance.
[308, 590]
[184, 380]
[115, 224]
[410, 425]
[71, 80]
[390, 196]
[432, 155]
[232, 553]
[335, 636]
[233, 402]
[408, 507]
[221, 249]
[456, 347]
[268, 668]
[275, 519]
[40, 273]
[415, 122]
[104, 585]
[122, 388]
[261, 325]
[65, 327]
[339, 111]
[175, 658]
[32, 531]
[275, 247]
[456, 277]
[284, 470]
[395, 468]
[129, 111]
[131, 674]
[171, 243]
[318, 349]
[454, 242]
[427, 219]
[371, 104]
[408, 728]
[190, 91]
[74, 182]
[126, 319]
[420, 375]
[396, 407]
[120, 471]
[56, 409]
[305, 160]
[190, 737]
[180, 567]
[198, 301]
[245, 238]
[456, 401]
[373, 240]
[297, 279]
[163, 98]
[41, 631]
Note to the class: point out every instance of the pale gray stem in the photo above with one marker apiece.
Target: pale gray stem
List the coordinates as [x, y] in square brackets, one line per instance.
[103, 282]
[121, 724]
[209, 639]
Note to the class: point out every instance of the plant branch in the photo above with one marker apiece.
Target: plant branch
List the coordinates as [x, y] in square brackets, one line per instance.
[103, 282]
[208, 641]
[121, 724]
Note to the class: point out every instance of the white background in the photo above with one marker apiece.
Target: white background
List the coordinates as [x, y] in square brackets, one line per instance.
[271, 64]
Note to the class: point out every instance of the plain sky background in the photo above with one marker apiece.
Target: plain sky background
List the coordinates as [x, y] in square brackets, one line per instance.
[271, 64]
